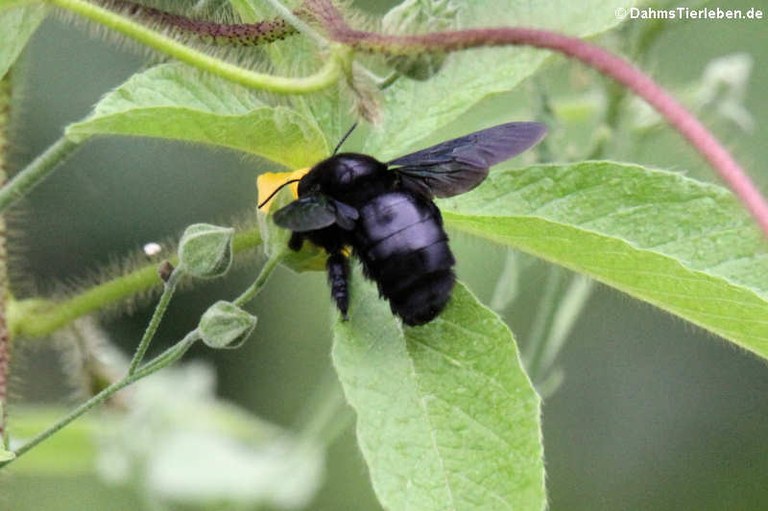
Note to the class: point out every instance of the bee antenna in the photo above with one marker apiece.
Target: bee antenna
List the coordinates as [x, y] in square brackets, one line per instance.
[291, 181]
[344, 138]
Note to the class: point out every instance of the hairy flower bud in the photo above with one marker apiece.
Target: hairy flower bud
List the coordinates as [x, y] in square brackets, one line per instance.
[205, 250]
[225, 325]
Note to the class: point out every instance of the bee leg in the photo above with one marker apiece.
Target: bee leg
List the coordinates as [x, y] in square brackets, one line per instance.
[296, 241]
[338, 278]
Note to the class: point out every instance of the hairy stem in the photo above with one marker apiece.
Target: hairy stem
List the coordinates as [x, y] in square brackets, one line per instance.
[296, 19]
[254, 289]
[593, 56]
[36, 318]
[166, 358]
[244, 34]
[34, 173]
[326, 76]
[168, 288]
[5, 337]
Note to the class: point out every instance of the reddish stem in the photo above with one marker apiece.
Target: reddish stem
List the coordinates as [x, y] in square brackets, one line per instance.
[598, 58]
[245, 34]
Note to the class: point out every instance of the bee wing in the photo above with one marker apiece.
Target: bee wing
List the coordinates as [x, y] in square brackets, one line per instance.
[346, 215]
[456, 166]
[314, 212]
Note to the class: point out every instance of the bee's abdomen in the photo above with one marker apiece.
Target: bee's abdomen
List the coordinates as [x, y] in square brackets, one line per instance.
[404, 249]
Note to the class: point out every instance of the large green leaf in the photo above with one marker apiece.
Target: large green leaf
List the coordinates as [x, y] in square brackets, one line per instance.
[677, 243]
[178, 102]
[17, 24]
[332, 109]
[416, 109]
[446, 417]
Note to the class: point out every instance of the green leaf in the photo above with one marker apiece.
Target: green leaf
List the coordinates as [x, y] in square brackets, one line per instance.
[682, 245]
[177, 102]
[416, 109]
[446, 417]
[332, 109]
[17, 24]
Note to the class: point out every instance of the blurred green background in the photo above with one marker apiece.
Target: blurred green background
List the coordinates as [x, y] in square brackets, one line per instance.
[652, 414]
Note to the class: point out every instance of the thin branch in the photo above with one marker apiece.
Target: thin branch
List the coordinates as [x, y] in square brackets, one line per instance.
[257, 285]
[166, 358]
[325, 77]
[38, 317]
[593, 56]
[5, 335]
[154, 323]
[244, 34]
[297, 19]
[34, 173]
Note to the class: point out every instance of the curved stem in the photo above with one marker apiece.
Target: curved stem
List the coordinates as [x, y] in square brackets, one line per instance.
[593, 56]
[166, 358]
[323, 78]
[34, 173]
[265, 31]
[36, 317]
[254, 289]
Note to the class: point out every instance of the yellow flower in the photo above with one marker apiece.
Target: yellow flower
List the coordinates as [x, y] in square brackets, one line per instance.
[271, 181]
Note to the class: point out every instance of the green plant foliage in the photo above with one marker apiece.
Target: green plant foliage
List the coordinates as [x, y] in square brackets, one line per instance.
[331, 109]
[225, 325]
[176, 102]
[205, 250]
[446, 417]
[677, 243]
[17, 24]
[202, 452]
[469, 77]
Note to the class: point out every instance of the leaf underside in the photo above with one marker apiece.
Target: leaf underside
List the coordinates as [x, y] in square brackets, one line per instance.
[447, 418]
[17, 24]
[176, 102]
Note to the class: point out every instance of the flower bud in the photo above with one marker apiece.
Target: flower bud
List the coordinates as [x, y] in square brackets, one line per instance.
[225, 325]
[205, 250]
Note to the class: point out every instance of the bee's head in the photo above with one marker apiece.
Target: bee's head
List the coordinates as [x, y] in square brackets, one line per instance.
[340, 174]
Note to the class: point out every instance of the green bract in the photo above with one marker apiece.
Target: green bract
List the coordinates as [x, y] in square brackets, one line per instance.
[225, 325]
[205, 250]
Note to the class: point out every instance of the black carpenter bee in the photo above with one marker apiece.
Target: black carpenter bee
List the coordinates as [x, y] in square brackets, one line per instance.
[386, 213]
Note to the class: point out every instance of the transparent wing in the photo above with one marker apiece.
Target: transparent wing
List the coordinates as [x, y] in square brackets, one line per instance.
[456, 166]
